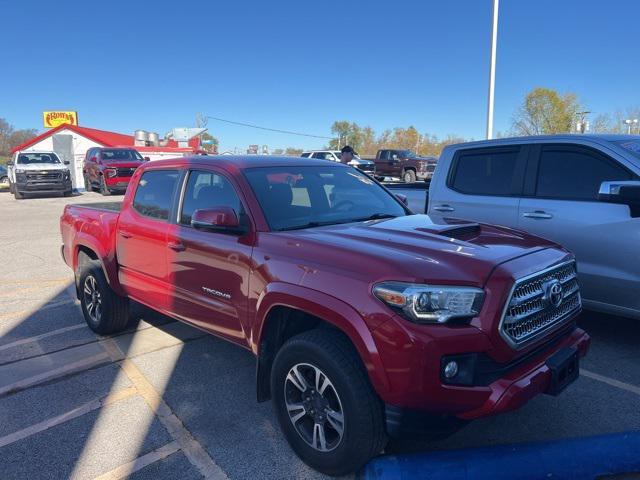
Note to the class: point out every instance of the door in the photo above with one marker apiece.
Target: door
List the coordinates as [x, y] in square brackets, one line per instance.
[141, 239]
[562, 205]
[384, 163]
[482, 185]
[63, 147]
[89, 165]
[209, 270]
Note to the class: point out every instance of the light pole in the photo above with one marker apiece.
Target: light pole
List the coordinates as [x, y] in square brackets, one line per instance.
[630, 121]
[492, 69]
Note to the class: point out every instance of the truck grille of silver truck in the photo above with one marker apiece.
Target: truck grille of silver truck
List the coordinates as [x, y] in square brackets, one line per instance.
[539, 302]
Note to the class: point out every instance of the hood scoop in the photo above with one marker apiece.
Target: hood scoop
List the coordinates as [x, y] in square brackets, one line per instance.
[459, 232]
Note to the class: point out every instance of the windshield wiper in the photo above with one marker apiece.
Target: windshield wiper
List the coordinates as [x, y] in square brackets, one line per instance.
[375, 216]
[306, 225]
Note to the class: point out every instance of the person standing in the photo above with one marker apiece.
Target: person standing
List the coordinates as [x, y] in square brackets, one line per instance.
[347, 154]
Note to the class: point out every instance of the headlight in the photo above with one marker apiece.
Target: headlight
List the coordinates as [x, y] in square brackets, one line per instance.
[430, 303]
[20, 170]
[111, 172]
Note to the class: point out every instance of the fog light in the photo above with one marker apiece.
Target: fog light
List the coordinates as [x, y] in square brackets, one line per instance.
[451, 369]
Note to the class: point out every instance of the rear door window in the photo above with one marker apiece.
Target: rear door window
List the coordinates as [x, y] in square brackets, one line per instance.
[155, 193]
[485, 171]
[575, 173]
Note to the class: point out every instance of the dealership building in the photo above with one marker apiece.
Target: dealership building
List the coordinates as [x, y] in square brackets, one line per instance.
[71, 142]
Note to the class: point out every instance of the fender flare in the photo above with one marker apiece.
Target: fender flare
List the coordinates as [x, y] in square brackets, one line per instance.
[331, 310]
[106, 260]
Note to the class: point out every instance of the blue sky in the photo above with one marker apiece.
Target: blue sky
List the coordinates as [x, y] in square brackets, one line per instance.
[299, 65]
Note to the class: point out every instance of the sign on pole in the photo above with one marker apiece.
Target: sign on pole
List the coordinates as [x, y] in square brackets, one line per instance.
[55, 119]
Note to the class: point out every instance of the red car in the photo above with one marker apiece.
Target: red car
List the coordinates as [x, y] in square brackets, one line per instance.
[110, 169]
[366, 320]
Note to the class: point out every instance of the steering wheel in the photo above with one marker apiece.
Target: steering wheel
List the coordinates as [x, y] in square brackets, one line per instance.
[343, 203]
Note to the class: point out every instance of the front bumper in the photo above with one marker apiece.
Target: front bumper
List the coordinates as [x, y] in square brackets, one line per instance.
[117, 183]
[26, 186]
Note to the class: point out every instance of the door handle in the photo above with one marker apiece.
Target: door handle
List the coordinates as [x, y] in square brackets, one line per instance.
[537, 214]
[124, 234]
[444, 208]
[176, 246]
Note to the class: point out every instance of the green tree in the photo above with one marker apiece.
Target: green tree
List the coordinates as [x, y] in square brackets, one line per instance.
[10, 137]
[545, 111]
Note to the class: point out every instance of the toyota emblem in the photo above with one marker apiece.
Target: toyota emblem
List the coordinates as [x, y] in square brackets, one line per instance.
[553, 292]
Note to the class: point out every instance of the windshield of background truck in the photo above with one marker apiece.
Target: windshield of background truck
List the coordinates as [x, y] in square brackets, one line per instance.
[300, 197]
[121, 154]
[33, 158]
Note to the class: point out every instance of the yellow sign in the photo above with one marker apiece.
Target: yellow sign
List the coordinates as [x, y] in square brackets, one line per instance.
[55, 119]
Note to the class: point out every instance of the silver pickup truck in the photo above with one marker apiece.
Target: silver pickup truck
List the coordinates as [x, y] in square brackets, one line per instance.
[582, 191]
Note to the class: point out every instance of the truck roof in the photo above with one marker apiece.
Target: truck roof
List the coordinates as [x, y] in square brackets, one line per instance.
[597, 137]
[245, 161]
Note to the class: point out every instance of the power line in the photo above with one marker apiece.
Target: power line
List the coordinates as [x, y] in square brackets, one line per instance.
[269, 129]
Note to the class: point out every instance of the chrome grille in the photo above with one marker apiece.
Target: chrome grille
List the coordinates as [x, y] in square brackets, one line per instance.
[43, 176]
[431, 167]
[530, 310]
[125, 172]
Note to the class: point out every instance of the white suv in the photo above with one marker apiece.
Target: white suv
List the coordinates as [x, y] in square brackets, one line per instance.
[334, 155]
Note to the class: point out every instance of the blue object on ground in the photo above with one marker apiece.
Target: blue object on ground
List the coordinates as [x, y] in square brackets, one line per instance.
[578, 458]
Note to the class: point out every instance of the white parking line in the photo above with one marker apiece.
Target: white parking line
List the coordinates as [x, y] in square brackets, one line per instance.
[610, 381]
[57, 372]
[123, 471]
[40, 337]
[76, 412]
[191, 448]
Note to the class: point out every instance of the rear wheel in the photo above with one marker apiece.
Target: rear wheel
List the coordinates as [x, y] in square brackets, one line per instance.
[104, 311]
[409, 176]
[325, 404]
[104, 190]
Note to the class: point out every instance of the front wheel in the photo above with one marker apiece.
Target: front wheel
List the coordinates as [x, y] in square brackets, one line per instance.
[104, 311]
[17, 195]
[325, 404]
[409, 176]
[104, 190]
[87, 183]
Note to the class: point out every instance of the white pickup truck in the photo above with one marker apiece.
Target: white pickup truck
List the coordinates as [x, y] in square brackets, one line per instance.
[38, 172]
[582, 191]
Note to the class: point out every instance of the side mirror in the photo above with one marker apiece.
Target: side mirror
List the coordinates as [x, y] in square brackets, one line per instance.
[402, 198]
[218, 219]
[147, 159]
[394, 157]
[626, 192]
[67, 162]
[10, 164]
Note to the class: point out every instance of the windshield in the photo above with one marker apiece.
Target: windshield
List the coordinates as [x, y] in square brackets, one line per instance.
[302, 197]
[631, 146]
[407, 154]
[31, 158]
[121, 154]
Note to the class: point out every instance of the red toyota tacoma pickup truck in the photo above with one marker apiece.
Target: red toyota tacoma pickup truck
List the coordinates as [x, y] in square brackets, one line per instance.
[367, 321]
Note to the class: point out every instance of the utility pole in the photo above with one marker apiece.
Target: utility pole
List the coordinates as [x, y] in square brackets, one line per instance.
[492, 69]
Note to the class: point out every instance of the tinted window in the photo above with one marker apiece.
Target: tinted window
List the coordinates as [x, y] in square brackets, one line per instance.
[120, 154]
[480, 172]
[208, 190]
[32, 158]
[384, 154]
[306, 155]
[575, 173]
[300, 197]
[154, 194]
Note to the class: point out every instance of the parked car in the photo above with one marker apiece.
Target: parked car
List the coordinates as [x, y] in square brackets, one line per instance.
[404, 164]
[38, 172]
[4, 177]
[582, 191]
[416, 194]
[335, 155]
[365, 320]
[110, 169]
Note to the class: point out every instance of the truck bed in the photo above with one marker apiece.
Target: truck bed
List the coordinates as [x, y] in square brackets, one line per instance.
[110, 206]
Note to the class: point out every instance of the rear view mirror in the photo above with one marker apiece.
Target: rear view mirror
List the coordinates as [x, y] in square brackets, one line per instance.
[221, 219]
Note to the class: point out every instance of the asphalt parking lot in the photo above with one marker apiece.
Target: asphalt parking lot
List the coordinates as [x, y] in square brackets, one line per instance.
[164, 400]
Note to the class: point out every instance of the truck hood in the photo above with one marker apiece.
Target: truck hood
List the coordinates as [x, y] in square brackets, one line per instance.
[121, 164]
[419, 249]
[42, 166]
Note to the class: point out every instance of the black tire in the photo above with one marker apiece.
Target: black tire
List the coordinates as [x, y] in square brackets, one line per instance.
[11, 188]
[68, 193]
[113, 313]
[103, 187]
[409, 176]
[87, 184]
[18, 195]
[363, 426]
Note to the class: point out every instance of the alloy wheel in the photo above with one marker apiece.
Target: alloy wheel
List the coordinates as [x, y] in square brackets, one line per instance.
[314, 407]
[92, 299]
